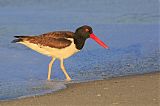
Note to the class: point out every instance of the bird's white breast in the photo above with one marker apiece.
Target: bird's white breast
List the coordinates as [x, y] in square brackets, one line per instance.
[54, 52]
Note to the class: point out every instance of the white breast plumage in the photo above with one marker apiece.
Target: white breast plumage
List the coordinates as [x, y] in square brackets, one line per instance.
[53, 52]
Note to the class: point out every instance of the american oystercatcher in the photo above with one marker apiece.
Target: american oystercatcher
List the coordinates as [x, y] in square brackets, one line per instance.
[59, 45]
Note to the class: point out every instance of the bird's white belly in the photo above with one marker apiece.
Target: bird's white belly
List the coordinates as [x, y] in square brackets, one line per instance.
[54, 52]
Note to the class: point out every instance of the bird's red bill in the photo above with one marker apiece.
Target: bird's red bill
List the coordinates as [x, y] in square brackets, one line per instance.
[94, 37]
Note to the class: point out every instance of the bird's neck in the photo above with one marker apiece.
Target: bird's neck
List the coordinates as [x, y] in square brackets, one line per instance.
[79, 42]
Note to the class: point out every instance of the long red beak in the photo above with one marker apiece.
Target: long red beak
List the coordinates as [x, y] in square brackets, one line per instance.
[94, 37]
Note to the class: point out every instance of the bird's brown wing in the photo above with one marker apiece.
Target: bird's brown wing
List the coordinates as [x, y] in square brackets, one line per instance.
[59, 34]
[58, 43]
[57, 40]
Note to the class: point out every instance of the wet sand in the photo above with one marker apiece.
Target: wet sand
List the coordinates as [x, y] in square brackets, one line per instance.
[139, 90]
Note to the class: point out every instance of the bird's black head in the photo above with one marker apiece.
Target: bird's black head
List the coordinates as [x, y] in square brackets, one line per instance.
[84, 31]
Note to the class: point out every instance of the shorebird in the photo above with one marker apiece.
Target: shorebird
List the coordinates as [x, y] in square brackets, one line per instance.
[59, 44]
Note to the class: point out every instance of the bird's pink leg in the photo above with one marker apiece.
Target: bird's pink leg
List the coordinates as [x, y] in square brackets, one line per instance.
[64, 70]
[50, 68]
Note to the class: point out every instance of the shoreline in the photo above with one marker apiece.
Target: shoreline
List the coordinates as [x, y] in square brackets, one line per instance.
[139, 90]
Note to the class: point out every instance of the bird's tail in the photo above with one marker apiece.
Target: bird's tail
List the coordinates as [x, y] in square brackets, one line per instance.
[19, 39]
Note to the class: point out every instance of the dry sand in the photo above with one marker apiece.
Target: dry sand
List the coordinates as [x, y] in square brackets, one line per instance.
[140, 90]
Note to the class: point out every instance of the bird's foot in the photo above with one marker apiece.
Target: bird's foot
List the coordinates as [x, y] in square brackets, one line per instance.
[68, 79]
[48, 79]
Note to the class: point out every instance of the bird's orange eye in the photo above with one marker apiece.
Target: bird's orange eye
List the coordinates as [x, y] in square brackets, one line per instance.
[87, 30]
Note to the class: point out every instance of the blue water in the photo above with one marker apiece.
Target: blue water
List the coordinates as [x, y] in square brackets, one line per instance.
[130, 28]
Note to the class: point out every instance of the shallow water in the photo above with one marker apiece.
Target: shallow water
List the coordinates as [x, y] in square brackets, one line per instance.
[130, 28]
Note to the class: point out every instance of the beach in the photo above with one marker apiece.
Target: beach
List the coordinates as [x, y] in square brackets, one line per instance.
[132, 35]
[136, 90]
